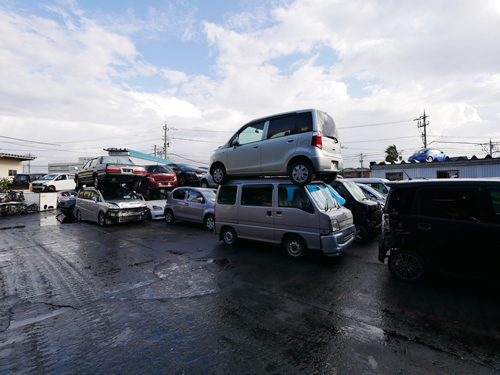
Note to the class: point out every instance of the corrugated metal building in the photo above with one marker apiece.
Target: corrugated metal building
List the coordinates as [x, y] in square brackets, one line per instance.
[452, 167]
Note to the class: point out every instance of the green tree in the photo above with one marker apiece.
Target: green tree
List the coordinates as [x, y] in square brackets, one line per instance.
[392, 154]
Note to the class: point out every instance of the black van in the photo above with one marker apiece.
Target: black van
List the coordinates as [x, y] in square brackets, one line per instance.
[367, 213]
[22, 181]
[449, 224]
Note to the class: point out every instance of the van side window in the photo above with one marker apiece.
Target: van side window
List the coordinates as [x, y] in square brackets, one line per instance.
[402, 201]
[281, 127]
[257, 195]
[495, 200]
[304, 122]
[455, 204]
[252, 133]
[227, 195]
[294, 197]
[179, 194]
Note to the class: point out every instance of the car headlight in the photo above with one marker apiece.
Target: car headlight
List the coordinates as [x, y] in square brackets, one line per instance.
[112, 205]
[334, 225]
[157, 208]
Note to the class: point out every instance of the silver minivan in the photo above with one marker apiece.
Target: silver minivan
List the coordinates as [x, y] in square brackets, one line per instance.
[115, 204]
[300, 218]
[297, 144]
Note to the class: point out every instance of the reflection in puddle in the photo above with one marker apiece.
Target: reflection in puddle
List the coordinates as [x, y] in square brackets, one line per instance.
[56, 220]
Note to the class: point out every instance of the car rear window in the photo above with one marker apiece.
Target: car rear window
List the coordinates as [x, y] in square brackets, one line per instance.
[326, 125]
[227, 195]
[116, 160]
[402, 201]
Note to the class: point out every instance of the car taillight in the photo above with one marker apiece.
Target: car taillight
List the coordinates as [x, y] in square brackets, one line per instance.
[150, 176]
[317, 141]
[141, 170]
[112, 169]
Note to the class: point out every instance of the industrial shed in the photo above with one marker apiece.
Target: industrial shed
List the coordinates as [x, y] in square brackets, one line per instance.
[460, 167]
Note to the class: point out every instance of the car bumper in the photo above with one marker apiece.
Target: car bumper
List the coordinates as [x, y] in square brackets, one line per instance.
[162, 184]
[334, 244]
[37, 188]
[125, 216]
[123, 178]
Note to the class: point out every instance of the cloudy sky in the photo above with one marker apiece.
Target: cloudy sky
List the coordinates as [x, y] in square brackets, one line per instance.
[79, 76]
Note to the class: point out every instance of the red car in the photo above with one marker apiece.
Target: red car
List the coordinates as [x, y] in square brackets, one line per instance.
[160, 177]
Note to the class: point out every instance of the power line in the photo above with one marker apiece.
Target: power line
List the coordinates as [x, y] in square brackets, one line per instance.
[379, 124]
[23, 140]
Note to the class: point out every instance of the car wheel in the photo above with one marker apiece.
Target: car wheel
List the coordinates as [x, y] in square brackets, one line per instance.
[52, 188]
[71, 211]
[361, 235]
[328, 178]
[408, 266]
[169, 217]
[97, 185]
[429, 158]
[301, 172]
[182, 180]
[295, 247]
[102, 219]
[229, 236]
[79, 215]
[209, 222]
[204, 184]
[219, 174]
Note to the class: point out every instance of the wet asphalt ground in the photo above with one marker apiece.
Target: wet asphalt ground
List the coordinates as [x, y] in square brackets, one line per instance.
[148, 298]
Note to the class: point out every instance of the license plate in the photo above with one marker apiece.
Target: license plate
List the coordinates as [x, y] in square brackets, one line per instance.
[126, 170]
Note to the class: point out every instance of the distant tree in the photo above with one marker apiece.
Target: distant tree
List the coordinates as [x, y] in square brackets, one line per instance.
[392, 154]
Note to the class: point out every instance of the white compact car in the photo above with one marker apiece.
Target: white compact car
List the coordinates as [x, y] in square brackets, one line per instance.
[54, 182]
[297, 144]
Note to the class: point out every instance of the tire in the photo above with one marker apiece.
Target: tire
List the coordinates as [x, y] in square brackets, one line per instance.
[71, 211]
[78, 184]
[219, 174]
[101, 219]
[229, 236]
[97, 184]
[361, 235]
[209, 222]
[328, 178]
[429, 159]
[169, 217]
[204, 184]
[408, 266]
[52, 188]
[295, 247]
[79, 216]
[301, 172]
[182, 180]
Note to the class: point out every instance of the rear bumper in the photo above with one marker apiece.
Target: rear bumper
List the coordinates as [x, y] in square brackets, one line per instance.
[334, 244]
[161, 184]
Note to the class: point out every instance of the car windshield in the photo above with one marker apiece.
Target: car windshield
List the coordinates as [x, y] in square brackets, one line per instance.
[118, 192]
[322, 197]
[211, 195]
[420, 152]
[355, 190]
[374, 192]
[326, 125]
[49, 177]
[159, 169]
[116, 160]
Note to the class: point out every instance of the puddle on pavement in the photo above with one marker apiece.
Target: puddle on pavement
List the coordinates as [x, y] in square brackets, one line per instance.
[56, 220]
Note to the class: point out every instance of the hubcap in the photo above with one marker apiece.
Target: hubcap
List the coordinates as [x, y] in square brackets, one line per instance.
[407, 266]
[217, 175]
[300, 173]
[169, 217]
[294, 248]
[210, 223]
[228, 237]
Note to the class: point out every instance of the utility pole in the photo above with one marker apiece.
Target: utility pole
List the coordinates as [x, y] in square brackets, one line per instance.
[361, 161]
[166, 140]
[422, 123]
[491, 147]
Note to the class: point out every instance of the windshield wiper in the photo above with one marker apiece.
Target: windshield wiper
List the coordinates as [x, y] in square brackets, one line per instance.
[331, 137]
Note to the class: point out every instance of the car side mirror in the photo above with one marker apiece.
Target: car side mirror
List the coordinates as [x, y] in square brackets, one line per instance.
[201, 200]
[95, 199]
[236, 143]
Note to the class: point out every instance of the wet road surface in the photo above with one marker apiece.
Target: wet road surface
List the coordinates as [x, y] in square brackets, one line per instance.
[151, 298]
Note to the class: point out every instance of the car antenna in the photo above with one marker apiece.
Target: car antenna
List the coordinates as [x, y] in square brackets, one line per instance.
[409, 178]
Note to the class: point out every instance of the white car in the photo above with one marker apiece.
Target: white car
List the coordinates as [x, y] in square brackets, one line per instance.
[54, 182]
[156, 202]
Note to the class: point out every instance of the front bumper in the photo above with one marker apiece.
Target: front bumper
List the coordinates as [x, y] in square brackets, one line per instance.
[126, 215]
[334, 244]
[37, 188]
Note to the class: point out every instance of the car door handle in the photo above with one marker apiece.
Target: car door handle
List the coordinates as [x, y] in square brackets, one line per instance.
[269, 213]
[291, 140]
[255, 146]
[279, 213]
[424, 226]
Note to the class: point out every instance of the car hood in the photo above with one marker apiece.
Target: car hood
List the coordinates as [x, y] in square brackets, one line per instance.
[127, 203]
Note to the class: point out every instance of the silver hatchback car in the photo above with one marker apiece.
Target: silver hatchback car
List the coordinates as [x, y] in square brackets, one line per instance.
[116, 204]
[191, 204]
[297, 144]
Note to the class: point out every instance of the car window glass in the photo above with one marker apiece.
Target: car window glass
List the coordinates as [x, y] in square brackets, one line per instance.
[193, 196]
[119, 192]
[96, 195]
[304, 122]
[340, 189]
[71, 177]
[322, 196]
[257, 195]
[116, 160]
[210, 195]
[402, 201]
[355, 190]
[179, 194]
[455, 204]
[87, 194]
[293, 196]
[81, 194]
[326, 125]
[93, 164]
[48, 177]
[227, 195]
[252, 133]
[281, 127]
[495, 200]
[87, 164]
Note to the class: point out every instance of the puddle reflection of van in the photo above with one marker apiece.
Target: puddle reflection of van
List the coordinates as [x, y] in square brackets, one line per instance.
[276, 211]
